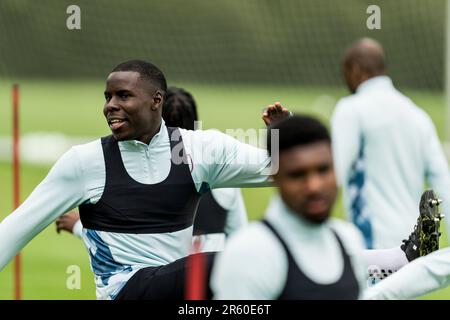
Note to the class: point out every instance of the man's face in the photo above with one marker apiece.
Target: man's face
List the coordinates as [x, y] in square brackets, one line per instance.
[306, 180]
[132, 106]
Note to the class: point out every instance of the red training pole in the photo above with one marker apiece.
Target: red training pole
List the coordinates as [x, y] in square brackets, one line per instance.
[16, 183]
[195, 274]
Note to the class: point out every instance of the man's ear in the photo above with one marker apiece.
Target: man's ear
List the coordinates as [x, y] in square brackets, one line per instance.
[357, 72]
[158, 99]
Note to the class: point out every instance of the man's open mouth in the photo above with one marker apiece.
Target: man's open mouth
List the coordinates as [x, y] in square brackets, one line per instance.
[115, 124]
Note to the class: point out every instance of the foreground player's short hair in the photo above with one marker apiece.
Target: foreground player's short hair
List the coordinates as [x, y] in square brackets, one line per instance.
[179, 109]
[147, 70]
[298, 130]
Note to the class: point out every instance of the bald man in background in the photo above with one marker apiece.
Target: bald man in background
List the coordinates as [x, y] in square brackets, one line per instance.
[385, 149]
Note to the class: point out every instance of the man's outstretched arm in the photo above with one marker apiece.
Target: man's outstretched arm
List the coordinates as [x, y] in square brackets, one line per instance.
[240, 164]
[60, 191]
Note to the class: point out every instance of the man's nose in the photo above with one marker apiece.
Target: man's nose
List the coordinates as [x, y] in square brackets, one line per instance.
[112, 105]
[314, 183]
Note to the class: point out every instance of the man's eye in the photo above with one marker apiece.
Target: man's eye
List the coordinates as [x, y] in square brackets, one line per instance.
[297, 175]
[323, 169]
[107, 97]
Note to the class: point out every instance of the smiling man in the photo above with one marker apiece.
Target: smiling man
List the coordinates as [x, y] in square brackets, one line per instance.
[220, 212]
[134, 103]
[137, 190]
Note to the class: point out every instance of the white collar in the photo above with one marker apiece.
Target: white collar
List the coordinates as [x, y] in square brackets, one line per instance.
[374, 82]
[280, 214]
[157, 139]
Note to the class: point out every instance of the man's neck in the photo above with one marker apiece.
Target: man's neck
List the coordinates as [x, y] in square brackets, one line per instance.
[148, 137]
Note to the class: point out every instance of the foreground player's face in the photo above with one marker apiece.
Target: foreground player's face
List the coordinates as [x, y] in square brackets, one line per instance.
[132, 107]
[306, 180]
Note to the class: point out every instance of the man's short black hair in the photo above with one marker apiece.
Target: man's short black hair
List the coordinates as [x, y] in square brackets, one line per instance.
[298, 130]
[147, 70]
[179, 109]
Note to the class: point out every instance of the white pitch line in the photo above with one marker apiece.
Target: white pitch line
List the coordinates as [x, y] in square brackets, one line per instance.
[44, 148]
[41, 148]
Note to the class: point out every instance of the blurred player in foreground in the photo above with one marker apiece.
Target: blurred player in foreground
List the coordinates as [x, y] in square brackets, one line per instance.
[385, 148]
[298, 251]
[220, 212]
